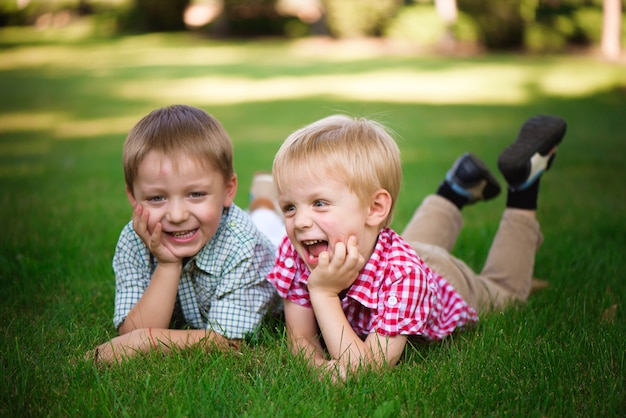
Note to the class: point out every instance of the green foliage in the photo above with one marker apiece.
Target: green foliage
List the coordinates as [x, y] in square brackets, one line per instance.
[155, 16]
[537, 25]
[250, 18]
[589, 20]
[542, 38]
[420, 23]
[357, 18]
[12, 13]
[500, 23]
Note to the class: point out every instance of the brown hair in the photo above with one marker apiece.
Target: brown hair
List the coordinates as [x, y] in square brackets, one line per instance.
[178, 130]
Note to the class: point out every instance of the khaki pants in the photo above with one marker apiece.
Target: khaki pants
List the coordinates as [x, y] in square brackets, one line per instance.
[508, 271]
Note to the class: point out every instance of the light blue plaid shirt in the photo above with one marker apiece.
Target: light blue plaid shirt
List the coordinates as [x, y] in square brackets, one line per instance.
[222, 288]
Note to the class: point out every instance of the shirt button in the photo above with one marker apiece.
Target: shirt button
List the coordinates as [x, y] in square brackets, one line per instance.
[392, 300]
[289, 263]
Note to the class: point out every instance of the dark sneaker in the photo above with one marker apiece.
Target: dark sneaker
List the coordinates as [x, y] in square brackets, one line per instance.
[471, 178]
[533, 151]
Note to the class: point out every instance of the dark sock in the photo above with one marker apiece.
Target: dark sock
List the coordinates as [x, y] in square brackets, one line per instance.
[524, 199]
[447, 192]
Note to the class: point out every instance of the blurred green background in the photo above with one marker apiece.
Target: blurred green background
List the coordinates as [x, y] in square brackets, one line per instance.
[76, 76]
[443, 25]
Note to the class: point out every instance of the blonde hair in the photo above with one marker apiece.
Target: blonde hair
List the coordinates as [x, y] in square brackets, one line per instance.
[358, 151]
[174, 131]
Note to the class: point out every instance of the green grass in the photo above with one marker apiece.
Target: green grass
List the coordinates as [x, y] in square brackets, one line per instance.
[65, 110]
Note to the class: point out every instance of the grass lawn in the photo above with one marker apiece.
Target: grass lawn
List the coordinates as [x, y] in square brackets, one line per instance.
[67, 104]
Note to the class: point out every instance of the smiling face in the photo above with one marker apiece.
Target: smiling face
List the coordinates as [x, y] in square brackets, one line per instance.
[185, 196]
[319, 212]
[337, 177]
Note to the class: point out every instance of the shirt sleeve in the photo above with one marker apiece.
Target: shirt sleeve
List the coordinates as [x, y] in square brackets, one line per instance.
[243, 295]
[287, 275]
[421, 303]
[418, 294]
[237, 311]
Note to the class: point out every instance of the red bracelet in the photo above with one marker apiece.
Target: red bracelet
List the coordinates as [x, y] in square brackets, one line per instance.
[152, 339]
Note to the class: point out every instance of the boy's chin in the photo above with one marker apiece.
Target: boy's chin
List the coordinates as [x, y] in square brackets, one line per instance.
[185, 252]
[310, 261]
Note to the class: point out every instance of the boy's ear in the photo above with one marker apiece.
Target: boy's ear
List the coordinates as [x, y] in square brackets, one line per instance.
[131, 198]
[380, 205]
[231, 191]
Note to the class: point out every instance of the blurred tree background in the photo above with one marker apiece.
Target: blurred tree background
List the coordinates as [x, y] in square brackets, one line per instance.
[449, 25]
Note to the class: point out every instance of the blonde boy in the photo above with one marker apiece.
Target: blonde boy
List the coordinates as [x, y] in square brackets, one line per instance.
[188, 249]
[350, 281]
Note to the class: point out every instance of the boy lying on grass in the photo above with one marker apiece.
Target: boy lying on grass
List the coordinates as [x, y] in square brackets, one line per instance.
[350, 281]
[188, 249]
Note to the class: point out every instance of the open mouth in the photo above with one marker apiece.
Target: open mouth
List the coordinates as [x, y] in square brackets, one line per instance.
[314, 248]
[182, 235]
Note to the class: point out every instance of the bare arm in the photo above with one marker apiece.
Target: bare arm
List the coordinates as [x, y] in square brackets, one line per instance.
[303, 333]
[145, 339]
[156, 305]
[344, 345]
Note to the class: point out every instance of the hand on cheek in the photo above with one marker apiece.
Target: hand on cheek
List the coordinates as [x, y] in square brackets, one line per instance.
[331, 276]
[140, 221]
[152, 239]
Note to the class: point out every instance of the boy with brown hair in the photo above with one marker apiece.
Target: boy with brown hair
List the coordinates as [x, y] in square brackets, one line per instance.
[188, 249]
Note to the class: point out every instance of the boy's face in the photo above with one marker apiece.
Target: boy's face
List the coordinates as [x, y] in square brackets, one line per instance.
[319, 212]
[187, 198]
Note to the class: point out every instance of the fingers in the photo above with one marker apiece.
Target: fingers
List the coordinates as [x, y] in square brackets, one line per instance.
[337, 272]
[323, 259]
[155, 238]
[140, 220]
[347, 255]
[339, 255]
[335, 370]
[353, 252]
[140, 225]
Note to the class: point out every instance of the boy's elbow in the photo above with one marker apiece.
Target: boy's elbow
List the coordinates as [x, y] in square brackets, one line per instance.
[126, 326]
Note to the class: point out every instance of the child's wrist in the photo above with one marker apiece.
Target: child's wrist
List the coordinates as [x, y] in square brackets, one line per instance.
[170, 265]
[153, 343]
[321, 294]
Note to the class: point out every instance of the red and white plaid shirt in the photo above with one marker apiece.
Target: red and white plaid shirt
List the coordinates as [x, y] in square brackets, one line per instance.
[395, 294]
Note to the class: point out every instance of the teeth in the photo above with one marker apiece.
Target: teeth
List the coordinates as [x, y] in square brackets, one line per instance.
[181, 234]
[315, 241]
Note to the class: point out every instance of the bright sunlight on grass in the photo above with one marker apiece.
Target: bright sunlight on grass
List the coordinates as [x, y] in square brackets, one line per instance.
[67, 104]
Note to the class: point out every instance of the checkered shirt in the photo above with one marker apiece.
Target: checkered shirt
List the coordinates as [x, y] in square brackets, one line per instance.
[222, 288]
[396, 293]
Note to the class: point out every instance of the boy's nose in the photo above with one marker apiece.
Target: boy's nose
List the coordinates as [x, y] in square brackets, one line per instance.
[302, 219]
[177, 212]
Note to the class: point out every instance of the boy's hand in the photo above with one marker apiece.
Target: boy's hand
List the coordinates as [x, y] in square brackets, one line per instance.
[333, 276]
[332, 369]
[121, 347]
[152, 239]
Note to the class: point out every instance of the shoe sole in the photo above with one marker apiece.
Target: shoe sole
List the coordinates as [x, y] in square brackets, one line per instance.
[489, 184]
[533, 150]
